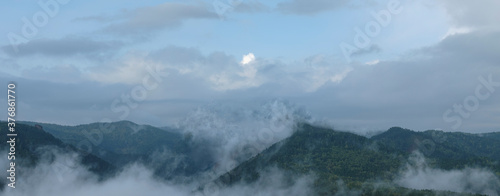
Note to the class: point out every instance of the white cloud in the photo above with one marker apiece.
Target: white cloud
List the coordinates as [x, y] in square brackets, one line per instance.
[238, 132]
[340, 76]
[457, 30]
[319, 71]
[153, 18]
[374, 62]
[249, 70]
[250, 57]
[222, 72]
[322, 75]
[60, 174]
[245, 78]
[309, 7]
[130, 70]
[465, 13]
[66, 73]
[401, 86]
[224, 82]
[419, 175]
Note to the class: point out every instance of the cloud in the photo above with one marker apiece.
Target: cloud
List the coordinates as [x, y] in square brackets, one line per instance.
[418, 175]
[44, 98]
[64, 176]
[367, 50]
[96, 18]
[416, 87]
[421, 84]
[159, 17]
[273, 182]
[57, 74]
[233, 133]
[220, 72]
[473, 15]
[250, 57]
[318, 71]
[374, 62]
[132, 69]
[250, 6]
[187, 78]
[461, 30]
[309, 7]
[245, 78]
[65, 47]
[249, 71]
[337, 78]
[470, 47]
[60, 174]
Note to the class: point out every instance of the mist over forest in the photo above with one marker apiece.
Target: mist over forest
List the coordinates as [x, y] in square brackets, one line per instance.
[277, 148]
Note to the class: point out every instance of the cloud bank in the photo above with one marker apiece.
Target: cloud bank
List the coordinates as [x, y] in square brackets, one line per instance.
[418, 175]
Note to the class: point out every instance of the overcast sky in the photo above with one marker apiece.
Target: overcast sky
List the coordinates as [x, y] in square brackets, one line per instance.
[362, 65]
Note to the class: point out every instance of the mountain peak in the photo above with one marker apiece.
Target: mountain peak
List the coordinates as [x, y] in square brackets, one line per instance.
[398, 129]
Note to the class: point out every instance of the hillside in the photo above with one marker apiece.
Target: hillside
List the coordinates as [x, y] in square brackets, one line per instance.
[124, 142]
[444, 150]
[359, 161]
[28, 153]
[337, 160]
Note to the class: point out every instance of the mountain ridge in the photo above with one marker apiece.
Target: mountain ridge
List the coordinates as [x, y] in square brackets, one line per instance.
[333, 156]
[336, 155]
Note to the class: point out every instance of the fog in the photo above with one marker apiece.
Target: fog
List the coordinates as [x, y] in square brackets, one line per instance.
[419, 175]
[226, 135]
[59, 174]
[232, 134]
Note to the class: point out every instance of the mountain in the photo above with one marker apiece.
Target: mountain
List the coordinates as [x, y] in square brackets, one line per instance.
[30, 139]
[124, 142]
[444, 150]
[361, 162]
[338, 160]
[123, 137]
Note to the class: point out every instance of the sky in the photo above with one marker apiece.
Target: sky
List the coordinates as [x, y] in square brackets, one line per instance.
[359, 65]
